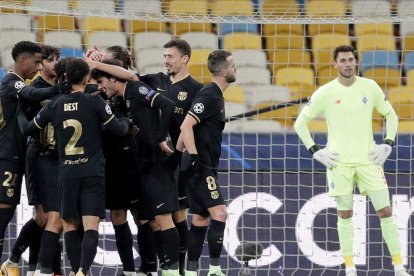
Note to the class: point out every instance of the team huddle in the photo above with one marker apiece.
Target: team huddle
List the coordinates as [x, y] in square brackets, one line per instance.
[90, 135]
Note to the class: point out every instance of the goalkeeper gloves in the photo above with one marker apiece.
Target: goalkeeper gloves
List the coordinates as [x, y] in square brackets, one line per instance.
[324, 156]
[380, 153]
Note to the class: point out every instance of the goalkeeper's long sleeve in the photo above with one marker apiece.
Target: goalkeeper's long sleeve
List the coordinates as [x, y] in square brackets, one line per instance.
[391, 119]
[301, 128]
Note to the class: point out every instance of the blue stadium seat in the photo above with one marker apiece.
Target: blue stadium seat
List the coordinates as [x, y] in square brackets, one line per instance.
[225, 28]
[375, 59]
[2, 73]
[408, 61]
[71, 52]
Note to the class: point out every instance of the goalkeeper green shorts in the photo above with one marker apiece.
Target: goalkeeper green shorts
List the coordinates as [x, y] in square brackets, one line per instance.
[341, 180]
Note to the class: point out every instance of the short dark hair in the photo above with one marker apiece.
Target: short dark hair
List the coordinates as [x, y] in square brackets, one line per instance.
[182, 46]
[50, 51]
[60, 67]
[25, 47]
[76, 70]
[343, 49]
[217, 61]
[96, 73]
[121, 53]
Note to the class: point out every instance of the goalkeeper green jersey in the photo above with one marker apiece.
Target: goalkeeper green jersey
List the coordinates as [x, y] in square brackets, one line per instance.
[348, 113]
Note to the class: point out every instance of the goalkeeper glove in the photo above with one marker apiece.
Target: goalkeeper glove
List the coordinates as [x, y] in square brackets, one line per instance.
[324, 156]
[380, 153]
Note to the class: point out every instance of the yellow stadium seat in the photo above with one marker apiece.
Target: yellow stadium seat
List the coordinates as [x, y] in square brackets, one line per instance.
[402, 99]
[232, 7]
[284, 115]
[386, 78]
[55, 22]
[199, 56]
[326, 74]
[329, 41]
[186, 8]
[15, 3]
[235, 94]
[242, 41]
[198, 65]
[285, 41]
[280, 8]
[290, 58]
[410, 78]
[408, 43]
[373, 42]
[322, 59]
[180, 28]
[406, 126]
[137, 26]
[290, 76]
[318, 125]
[99, 24]
[282, 29]
[380, 29]
[326, 9]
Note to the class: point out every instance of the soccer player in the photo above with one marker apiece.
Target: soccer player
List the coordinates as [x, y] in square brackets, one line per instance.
[351, 153]
[181, 88]
[157, 178]
[28, 61]
[201, 135]
[77, 120]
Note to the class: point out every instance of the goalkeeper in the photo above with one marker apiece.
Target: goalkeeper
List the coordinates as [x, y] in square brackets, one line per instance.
[351, 154]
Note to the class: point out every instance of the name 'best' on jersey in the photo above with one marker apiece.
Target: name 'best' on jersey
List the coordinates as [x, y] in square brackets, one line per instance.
[77, 119]
[348, 112]
[208, 110]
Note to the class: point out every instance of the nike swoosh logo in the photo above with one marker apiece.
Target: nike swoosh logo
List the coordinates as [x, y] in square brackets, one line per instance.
[159, 206]
[133, 201]
[181, 198]
[161, 90]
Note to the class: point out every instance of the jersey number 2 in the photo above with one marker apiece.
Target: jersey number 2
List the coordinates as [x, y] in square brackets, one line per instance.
[71, 148]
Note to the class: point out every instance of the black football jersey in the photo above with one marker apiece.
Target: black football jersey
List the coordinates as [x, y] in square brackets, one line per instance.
[181, 93]
[208, 110]
[77, 119]
[144, 105]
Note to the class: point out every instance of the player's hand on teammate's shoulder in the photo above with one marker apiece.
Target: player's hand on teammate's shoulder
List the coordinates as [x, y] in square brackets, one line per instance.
[93, 54]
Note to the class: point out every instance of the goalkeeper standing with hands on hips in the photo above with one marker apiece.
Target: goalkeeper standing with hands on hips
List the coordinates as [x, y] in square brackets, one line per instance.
[351, 154]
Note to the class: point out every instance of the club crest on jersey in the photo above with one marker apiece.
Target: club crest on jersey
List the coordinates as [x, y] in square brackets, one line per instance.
[19, 84]
[198, 108]
[143, 90]
[10, 192]
[108, 109]
[127, 103]
[214, 194]
[182, 95]
[364, 100]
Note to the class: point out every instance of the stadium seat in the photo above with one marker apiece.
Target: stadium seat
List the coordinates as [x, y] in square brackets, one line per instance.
[150, 40]
[21, 3]
[242, 41]
[329, 41]
[3, 72]
[106, 39]
[7, 61]
[280, 8]
[201, 40]
[200, 72]
[375, 59]
[322, 59]
[10, 37]
[407, 36]
[285, 29]
[370, 29]
[405, 126]
[54, 23]
[224, 8]
[235, 94]
[253, 126]
[249, 58]
[14, 21]
[152, 69]
[61, 5]
[386, 78]
[372, 43]
[99, 24]
[107, 6]
[295, 76]
[318, 125]
[408, 61]
[64, 39]
[183, 8]
[225, 28]
[283, 115]
[326, 74]
[326, 9]
[410, 78]
[255, 94]
[252, 76]
[199, 56]
[71, 52]
[290, 58]
[149, 57]
[232, 109]
[402, 99]
[381, 8]
[142, 7]
[405, 7]
[285, 41]
[137, 26]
